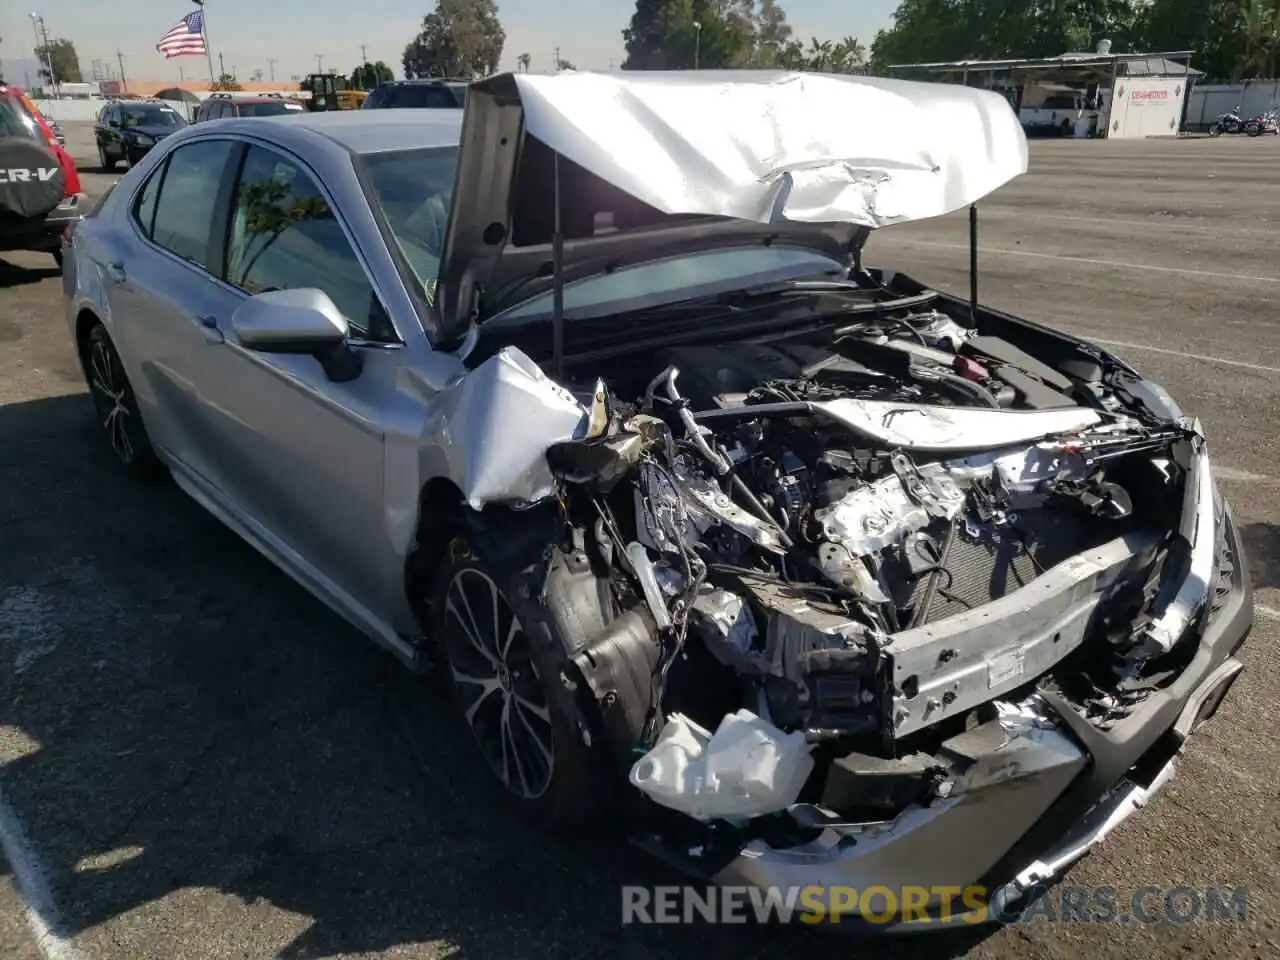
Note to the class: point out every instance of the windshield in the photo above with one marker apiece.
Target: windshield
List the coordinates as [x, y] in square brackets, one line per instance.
[150, 116]
[267, 109]
[413, 190]
[654, 284]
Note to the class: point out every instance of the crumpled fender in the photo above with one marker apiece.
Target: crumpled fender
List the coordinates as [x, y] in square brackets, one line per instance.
[494, 425]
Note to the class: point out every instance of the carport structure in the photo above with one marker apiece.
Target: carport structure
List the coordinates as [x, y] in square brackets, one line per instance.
[1132, 78]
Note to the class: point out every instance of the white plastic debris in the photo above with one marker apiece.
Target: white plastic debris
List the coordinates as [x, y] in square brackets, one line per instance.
[747, 768]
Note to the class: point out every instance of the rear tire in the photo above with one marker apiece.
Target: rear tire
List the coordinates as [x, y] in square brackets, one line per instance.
[116, 405]
[104, 161]
[505, 678]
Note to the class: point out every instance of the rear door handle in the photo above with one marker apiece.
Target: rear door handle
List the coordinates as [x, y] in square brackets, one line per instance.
[209, 327]
[116, 271]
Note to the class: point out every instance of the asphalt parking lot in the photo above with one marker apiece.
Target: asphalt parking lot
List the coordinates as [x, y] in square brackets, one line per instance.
[198, 760]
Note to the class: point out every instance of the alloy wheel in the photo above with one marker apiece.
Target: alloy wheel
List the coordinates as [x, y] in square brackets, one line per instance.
[498, 684]
[111, 398]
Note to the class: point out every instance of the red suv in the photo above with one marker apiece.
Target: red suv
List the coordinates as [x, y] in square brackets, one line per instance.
[40, 191]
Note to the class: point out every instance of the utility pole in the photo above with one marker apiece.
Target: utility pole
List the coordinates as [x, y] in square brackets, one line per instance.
[364, 57]
[319, 63]
[271, 66]
[124, 83]
[42, 42]
[222, 70]
[557, 60]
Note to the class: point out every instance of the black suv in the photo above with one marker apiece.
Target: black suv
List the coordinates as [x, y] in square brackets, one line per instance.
[439, 93]
[127, 129]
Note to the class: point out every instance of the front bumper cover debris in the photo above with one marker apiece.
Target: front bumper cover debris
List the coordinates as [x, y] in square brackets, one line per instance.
[1042, 786]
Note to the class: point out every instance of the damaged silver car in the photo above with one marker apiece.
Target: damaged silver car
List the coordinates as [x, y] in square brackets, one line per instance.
[804, 572]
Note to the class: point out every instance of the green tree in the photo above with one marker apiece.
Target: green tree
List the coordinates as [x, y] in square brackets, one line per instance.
[66, 63]
[523, 61]
[681, 34]
[226, 82]
[369, 75]
[563, 64]
[459, 38]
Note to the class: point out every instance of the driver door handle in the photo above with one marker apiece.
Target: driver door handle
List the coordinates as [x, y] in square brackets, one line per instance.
[209, 327]
[116, 271]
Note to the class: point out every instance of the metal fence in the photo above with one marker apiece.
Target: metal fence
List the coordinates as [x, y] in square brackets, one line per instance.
[1209, 101]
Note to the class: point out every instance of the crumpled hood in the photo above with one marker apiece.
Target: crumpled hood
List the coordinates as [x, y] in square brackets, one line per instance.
[766, 145]
[715, 159]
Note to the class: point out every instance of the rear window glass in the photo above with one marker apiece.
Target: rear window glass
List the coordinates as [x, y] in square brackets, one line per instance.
[422, 95]
[266, 109]
[14, 121]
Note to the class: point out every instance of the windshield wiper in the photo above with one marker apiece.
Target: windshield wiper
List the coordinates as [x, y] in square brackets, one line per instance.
[782, 287]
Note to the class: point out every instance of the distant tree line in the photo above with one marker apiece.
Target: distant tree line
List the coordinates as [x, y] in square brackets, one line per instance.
[1232, 40]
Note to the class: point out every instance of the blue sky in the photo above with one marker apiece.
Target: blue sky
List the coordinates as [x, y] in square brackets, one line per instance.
[248, 32]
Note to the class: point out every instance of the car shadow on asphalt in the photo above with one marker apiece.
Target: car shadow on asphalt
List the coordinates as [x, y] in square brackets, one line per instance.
[13, 275]
[1262, 546]
[197, 748]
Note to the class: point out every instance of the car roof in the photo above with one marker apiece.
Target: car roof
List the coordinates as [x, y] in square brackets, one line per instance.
[361, 131]
[423, 80]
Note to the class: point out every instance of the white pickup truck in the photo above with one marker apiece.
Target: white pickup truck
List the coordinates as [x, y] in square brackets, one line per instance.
[1059, 113]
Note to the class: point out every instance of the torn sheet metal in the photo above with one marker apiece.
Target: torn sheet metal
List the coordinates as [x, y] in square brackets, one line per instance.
[927, 428]
[495, 425]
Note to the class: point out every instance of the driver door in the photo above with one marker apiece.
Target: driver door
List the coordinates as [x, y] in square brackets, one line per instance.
[298, 454]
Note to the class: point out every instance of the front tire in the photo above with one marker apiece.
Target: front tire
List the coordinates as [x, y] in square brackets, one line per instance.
[505, 677]
[1215, 130]
[116, 405]
[105, 163]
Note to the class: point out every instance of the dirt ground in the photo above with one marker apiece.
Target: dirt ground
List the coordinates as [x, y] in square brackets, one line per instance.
[201, 761]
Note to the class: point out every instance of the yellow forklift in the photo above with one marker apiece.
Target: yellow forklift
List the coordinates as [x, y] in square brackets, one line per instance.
[331, 91]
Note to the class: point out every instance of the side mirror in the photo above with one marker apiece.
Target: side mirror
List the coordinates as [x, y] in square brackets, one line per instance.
[300, 321]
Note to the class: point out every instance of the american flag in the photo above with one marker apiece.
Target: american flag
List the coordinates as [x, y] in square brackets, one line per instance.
[185, 39]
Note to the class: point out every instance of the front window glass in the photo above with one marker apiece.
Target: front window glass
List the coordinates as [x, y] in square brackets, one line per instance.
[668, 281]
[413, 191]
[284, 235]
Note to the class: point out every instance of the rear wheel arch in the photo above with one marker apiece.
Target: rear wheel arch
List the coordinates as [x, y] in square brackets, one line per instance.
[86, 320]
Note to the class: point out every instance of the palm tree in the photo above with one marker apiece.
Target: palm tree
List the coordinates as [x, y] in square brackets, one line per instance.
[819, 54]
[523, 62]
[848, 55]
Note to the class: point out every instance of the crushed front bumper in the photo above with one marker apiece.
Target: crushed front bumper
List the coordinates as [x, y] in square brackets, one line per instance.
[1034, 803]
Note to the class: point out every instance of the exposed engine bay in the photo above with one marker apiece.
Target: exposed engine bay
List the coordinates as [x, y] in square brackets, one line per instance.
[864, 548]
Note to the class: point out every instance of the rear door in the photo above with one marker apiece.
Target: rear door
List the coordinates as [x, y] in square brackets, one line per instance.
[162, 291]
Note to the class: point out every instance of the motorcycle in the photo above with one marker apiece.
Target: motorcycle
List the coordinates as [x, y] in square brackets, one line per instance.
[1228, 122]
[1267, 122]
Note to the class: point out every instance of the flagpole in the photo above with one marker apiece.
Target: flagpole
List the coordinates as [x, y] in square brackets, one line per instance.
[208, 47]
